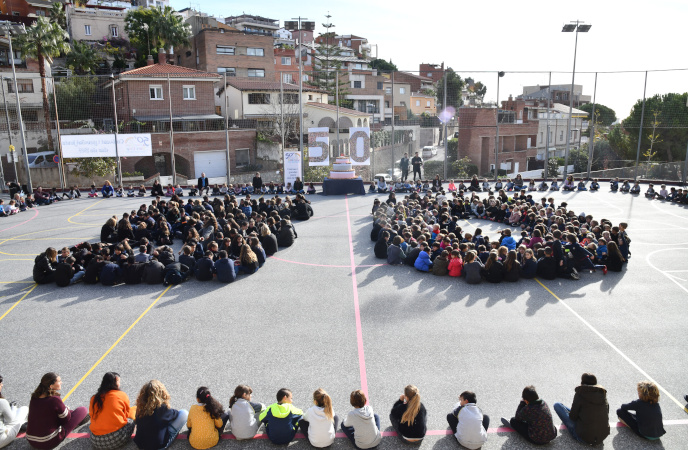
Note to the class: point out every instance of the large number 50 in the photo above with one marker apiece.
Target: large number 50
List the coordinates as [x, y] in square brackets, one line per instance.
[318, 139]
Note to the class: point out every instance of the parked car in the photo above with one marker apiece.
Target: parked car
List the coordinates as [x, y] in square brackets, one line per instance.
[387, 177]
[41, 160]
[429, 151]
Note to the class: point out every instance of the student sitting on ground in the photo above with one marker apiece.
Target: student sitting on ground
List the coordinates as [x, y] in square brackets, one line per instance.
[650, 193]
[625, 187]
[66, 274]
[588, 418]
[112, 417]
[581, 186]
[636, 188]
[440, 266]
[395, 255]
[12, 419]
[362, 425]
[644, 415]
[244, 413]
[281, 419]
[44, 266]
[554, 186]
[206, 420]
[423, 262]
[157, 425]
[533, 418]
[408, 415]
[319, 422]
[494, 268]
[595, 185]
[468, 423]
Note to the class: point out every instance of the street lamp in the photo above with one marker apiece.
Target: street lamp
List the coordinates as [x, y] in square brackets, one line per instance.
[13, 28]
[499, 75]
[577, 26]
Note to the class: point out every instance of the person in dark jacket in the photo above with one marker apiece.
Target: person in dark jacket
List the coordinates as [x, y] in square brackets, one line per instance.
[153, 272]
[588, 418]
[647, 420]
[203, 184]
[108, 233]
[281, 419]
[494, 269]
[257, 182]
[528, 265]
[133, 271]
[302, 210]
[205, 267]
[615, 261]
[547, 266]
[395, 255]
[156, 190]
[93, 270]
[157, 425]
[224, 268]
[533, 418]
[512, 269]
[411, 256]
[176, 267]
[381, 246]
[287, 234]
[44, 266]
[66, 274]
[111, 274]
[164, 254]
[408, 415]
[187, 259]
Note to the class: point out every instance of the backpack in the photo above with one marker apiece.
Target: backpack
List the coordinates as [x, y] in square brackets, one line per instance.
[173, 277]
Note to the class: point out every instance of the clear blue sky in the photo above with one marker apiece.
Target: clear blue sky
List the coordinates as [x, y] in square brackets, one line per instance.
[510, 36]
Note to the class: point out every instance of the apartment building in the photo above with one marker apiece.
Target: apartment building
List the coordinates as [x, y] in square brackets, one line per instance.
[433, 71]
[417, 82]
[358, 44]
[367, 90]
[25, 8]
[558, 93]
[254, 24]
[95, 23]
[401, 103]
[422, 103]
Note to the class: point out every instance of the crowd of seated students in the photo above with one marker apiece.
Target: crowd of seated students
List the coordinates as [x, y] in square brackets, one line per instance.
[47, 420]
[221, 239]
[540, 239]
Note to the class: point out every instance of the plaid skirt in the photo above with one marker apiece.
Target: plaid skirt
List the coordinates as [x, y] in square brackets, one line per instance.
[114, 440]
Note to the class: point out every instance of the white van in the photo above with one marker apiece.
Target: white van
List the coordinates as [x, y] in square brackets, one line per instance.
[429, 152]
[41, 160]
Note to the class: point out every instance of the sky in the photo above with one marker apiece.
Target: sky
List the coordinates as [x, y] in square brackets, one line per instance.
[510, 36]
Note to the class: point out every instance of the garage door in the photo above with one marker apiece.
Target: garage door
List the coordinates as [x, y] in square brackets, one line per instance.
[214, 163]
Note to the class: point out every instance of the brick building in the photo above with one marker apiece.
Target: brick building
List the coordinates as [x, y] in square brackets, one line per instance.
[417, 82]
[433, 71]
[25, 7]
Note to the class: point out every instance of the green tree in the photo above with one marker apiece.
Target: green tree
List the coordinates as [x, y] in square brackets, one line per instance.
[620, 142]
[454, 87]
[383, 66]
[94, 167]
[552, 168]
[463, 167]
[604, 115]
[57, 14]
[75, 98]
[326, 65]
[43, 41]
[165, 29]
[579, 158]
[83, 59]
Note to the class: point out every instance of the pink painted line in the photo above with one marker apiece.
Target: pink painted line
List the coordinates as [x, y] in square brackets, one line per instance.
[357, 311]
[22, 223]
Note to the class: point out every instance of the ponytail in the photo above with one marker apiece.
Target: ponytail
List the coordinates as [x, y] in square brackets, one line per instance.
[239, 392]
[44, 388]
[413, 405]
[323, 400]
[212, 406]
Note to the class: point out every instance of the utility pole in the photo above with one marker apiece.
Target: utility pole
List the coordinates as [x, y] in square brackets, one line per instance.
[300, 56]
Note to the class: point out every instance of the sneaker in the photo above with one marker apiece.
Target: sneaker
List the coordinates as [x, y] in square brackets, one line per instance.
[22, 429]
[506, 423]
[575, 276]
[574, 270]
[604, 270]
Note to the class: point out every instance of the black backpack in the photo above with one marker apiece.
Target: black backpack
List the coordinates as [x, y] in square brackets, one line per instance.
[173, 277]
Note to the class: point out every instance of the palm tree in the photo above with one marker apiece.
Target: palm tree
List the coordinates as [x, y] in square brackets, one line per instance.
[44, 40]
[83, 58]
[168, 29]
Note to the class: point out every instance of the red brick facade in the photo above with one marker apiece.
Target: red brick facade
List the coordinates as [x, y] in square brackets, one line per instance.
[11, 7]
[434, 71]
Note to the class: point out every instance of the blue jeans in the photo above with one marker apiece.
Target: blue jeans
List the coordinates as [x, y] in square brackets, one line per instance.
[176, 425]
[563, 413]
[349, 431]
[77, 276]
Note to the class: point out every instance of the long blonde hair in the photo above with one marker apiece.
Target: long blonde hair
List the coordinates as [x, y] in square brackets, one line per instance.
[151, 396]
[323, 400]
[413, 405]
[247, 256]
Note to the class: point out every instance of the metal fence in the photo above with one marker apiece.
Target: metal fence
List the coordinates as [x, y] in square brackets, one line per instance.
[234, 127]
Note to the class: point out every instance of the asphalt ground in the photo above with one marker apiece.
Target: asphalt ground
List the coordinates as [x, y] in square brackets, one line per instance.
[307, 320]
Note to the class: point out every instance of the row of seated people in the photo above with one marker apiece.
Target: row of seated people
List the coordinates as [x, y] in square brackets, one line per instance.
[47, 420]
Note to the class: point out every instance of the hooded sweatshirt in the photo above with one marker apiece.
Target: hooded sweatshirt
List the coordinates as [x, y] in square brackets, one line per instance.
[321, 429]
[366, 433]
[590, 412]
[281, 421]
[469, 431]
[244, 422]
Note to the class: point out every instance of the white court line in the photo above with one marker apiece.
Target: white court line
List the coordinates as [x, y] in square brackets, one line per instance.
[675, 271]
[647, 260]
[654, 205]
[674, 276]
[614, 347]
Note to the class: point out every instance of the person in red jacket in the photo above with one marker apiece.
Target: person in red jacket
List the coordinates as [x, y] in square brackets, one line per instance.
[455, 264]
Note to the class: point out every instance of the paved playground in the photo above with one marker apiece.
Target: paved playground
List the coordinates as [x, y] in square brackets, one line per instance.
[326, 313]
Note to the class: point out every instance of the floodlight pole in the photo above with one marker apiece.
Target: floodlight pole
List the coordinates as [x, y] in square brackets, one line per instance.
[549, 99]
[640, 131]
[9, 131]
[114, 109]
[573, 78]
[300, 95]
[591, 145]
[499, 75]
[446, 147]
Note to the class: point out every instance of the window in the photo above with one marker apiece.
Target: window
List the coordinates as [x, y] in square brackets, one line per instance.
[224, 50]
[40, 13]
[287, 78]
[417, 102]
[541, 134]
[258, 99]
[358, 66]
[402, 103]
[429, 74]
[230, 71]
[256, 73]
[114, 31]
[242, 157]
[388, 90]
[379, 85]
[291, 99]
[402, 90]
[286, 61]
[561, 136]
[24, 86]
[357, 84]
[427, 104]
[189, 92]
[255, 51]
[155, 92]
[87, 30]
[386, 104]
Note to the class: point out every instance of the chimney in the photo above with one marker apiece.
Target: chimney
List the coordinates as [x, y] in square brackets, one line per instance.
[149, 61]
[161, 57]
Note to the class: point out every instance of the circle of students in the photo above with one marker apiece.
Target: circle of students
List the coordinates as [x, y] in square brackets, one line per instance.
[47, 421]
[424, 232]
[222, 237]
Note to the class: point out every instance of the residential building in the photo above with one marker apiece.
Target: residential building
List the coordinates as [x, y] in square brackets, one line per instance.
[358, 44]
[254, 24]
[199, 21]
[23, 8]
[284, 37]
[305, 36]
[402, 99]
[95, 23]
[287, 66]
[422, 103]
[417, 82]
[558, 93]
[433, 71]
[317, 55]
[367, 91]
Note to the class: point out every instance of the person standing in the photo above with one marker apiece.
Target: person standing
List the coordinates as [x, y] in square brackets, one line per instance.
[203, 184]
[417, 163]
[404, 165]
[257, 182]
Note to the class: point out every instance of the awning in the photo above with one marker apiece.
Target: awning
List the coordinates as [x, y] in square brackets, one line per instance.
[176, 117]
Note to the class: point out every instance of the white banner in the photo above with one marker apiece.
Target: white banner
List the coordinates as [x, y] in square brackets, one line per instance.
[318, 146]
[359, 146]
[103, 145]
[292, 167]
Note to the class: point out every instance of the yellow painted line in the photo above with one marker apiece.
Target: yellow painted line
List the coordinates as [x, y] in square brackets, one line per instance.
[35, 232]
[69, 219]
[614, 347]
[115, 344]
[19, 301]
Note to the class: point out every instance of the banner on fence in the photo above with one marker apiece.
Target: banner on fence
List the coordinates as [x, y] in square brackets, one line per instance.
[292, 167]
[359, 145]
[103, 145]
[318, 146]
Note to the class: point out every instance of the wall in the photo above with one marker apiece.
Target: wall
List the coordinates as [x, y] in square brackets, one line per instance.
[429, 136]
[99, 20]
[269, 151]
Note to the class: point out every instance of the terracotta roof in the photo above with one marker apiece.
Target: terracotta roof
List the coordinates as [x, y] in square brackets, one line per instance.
[162, 70]
[327, 106]
[421, 77]
[243, 85]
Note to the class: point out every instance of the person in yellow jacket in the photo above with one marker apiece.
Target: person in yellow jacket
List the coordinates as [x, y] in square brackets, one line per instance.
[206, 420]
[281, 419]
